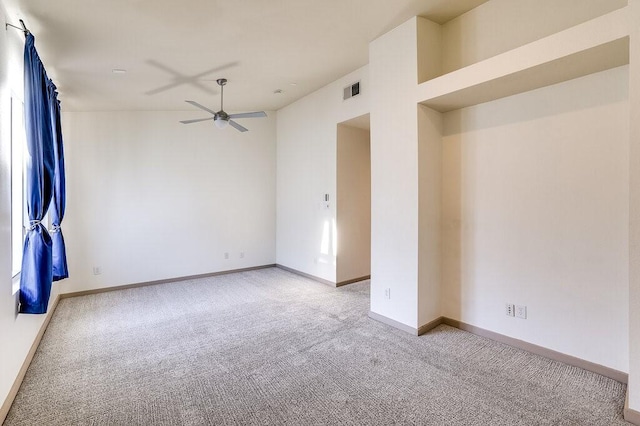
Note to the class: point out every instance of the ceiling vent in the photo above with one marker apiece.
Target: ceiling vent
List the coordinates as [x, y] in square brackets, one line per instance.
[351, 91]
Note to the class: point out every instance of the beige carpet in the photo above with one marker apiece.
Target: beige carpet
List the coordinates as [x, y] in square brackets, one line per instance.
[268, 347]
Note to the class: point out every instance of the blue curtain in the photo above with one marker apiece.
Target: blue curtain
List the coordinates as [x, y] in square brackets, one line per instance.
[37, 269]
[59, 255]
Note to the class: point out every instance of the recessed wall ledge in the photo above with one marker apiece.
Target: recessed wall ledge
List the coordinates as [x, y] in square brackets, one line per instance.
[594, 46]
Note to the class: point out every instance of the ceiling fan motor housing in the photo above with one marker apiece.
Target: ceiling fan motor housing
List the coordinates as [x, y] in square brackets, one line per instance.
[221, 115]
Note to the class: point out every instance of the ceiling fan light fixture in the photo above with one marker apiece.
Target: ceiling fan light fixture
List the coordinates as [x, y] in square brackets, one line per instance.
[220, 122]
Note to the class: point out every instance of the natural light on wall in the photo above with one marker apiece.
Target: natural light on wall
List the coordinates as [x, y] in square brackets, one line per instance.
[18, 210]
[329, 242]
[334, 238]
[324, 243]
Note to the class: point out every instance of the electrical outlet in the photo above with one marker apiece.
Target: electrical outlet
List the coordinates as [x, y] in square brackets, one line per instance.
[387, 293]
[521, 311]
[510, 309]
[97, 270]
[226, 255]
[241, 255]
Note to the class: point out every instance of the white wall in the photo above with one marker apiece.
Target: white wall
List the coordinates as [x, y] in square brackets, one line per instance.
[16, 331]
[306, 170]
[149, 198]
[353, 203]
[535, 213]
[634, 200]
[500, 25]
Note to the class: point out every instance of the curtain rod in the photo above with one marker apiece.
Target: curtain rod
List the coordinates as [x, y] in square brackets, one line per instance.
[24, 27]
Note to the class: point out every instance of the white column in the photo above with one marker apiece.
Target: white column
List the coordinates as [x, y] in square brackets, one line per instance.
[401, 254]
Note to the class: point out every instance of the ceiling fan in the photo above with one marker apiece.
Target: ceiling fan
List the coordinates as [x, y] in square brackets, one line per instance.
[221, 118]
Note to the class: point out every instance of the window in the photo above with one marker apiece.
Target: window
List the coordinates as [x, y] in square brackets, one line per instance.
[18, 189]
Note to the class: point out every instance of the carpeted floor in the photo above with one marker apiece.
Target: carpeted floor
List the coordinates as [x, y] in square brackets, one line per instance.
[268, 347]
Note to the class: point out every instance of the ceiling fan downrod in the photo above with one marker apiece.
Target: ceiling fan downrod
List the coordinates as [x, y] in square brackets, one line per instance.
[221, 82]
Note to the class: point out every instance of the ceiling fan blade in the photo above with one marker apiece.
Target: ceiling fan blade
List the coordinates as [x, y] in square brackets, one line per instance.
[256, 114]
[237, 126]
[195, 104]
[196, 120]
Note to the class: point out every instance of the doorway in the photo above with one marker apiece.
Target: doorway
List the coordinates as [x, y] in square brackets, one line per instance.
[353, 208]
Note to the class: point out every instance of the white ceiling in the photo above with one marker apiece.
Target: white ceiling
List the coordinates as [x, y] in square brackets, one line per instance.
[174, 50]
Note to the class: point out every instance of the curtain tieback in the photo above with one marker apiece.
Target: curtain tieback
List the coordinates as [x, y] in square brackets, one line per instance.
[33, 224]
[56, 228]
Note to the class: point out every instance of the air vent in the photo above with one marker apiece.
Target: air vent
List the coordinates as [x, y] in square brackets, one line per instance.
[351, 91]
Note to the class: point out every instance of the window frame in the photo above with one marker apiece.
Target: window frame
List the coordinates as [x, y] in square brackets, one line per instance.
[18, 161]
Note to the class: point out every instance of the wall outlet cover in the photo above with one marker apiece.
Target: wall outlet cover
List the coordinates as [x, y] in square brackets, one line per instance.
[521, 311]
